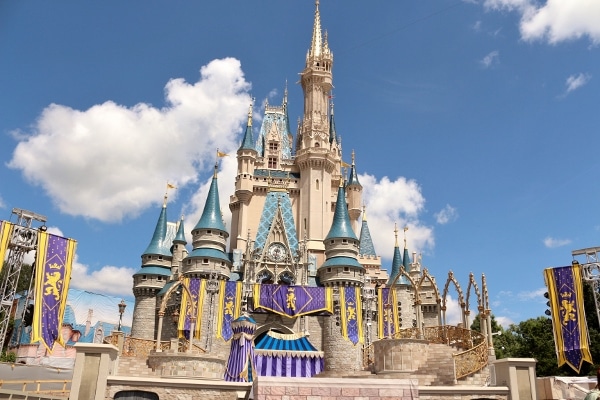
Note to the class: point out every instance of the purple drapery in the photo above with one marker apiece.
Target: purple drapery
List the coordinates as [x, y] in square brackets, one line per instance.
[298, 366]
[241, 356]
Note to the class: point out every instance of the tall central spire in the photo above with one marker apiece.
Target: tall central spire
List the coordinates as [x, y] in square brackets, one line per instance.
[317, 37]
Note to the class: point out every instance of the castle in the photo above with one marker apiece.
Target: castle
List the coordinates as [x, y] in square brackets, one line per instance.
[298, 260]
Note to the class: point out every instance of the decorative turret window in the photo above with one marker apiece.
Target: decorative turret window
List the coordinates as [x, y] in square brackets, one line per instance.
[273, 146]
[272, 162]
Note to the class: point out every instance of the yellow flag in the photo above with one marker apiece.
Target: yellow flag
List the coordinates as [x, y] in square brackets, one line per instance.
[221, 154]
[171, 186]
[345, 164]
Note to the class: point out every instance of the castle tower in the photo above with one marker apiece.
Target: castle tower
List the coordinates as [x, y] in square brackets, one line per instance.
[341, 269]
[178, 250]
[396, 263]
[209, 239]
[150, 279]
[354, 189]
[244, 186]
[317, 157]
[367, 256]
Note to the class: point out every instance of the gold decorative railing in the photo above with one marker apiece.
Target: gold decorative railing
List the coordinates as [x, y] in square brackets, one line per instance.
[368, 355]
[470, 361]
[474, 354]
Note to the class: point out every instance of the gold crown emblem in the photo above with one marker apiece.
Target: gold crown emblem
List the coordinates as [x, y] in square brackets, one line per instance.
[55, 266]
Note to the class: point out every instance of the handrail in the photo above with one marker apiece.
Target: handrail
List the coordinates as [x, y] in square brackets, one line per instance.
[474, 354]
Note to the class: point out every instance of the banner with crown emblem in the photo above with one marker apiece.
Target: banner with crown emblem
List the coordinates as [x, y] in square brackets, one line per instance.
[351, 314]
[192, 301]
[53, 262]
[230, 304]
[387, 312]
[5, 234]
[293, 301]
[565, 290]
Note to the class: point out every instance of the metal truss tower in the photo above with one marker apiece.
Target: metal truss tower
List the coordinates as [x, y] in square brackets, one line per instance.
[23, 239]
[589, 259]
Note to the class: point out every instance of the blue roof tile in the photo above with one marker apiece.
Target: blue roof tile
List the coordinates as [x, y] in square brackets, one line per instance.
[341, 226]
[211, 215]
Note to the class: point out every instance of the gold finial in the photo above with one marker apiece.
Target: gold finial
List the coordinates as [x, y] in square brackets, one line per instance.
[285, 94]
[405, 229]
[250, 112]
[317, 3]
[352, 156]
[396, 234]
[364, 212]
[216, 169]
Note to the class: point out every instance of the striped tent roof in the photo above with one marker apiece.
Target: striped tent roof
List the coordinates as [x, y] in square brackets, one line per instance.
[297, 344]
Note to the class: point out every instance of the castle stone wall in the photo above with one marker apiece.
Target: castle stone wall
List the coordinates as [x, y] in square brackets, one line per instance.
[340, 354]
[144, 316]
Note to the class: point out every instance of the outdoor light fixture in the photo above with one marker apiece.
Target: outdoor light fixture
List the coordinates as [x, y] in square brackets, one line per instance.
[122, 306]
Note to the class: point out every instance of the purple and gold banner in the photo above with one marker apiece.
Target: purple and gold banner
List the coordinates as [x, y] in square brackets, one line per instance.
[192, 302]
[53, 262]
[351, 314]
[565, 290]
[293, 301]
[5, 234]
[387, 312]
[230, 304]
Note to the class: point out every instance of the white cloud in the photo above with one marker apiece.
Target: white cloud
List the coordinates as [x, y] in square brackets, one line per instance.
[537, 294]
[551, 242]
[446, 215]
[574, 82]
[490, 59]
[110, 162]
[505, 322]
[108, 279]
[554, 20]
[399, 202]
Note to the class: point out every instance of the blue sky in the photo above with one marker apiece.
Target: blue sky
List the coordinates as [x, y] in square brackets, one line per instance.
[474, 123]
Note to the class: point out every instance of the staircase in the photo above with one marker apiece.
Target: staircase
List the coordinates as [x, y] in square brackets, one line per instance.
[431, 363]
[134, 366]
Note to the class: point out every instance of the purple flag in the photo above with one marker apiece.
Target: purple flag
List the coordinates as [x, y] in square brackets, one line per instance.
[53, 261]
[293, 301]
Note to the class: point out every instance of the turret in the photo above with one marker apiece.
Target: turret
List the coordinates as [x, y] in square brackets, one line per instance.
[209, 240]
[150, 279]
[396, 262]
[367, 256]
[354, 189]
[341, 266]
[178, 249]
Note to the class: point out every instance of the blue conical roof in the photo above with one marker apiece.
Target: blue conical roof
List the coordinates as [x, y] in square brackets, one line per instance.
[353, 179]
[406, 260]
[158, 245]
[366, 242]
[180, 236]
[341, 226]
[248, 141]
[396, 263]
[211, 216]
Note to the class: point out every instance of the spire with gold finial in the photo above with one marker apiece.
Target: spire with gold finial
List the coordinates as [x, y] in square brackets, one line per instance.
[396, 260]
[248, 140]
[317, 38]
[353, 179]
[366, 242]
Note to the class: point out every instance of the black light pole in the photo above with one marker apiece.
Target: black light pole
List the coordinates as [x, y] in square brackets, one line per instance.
[122, 306]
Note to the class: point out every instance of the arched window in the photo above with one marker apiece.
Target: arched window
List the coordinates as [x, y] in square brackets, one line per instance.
[135, 395]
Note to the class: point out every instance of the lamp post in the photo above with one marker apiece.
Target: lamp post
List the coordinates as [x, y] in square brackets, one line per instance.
[122, 306]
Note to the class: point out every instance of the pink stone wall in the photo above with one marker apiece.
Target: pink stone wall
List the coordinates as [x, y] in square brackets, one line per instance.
[270, 388]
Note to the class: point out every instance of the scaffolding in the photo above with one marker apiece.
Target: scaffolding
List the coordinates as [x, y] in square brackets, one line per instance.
[23, 239]
[589, 259]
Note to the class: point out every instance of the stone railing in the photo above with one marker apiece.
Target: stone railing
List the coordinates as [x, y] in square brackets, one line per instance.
[474, 356]
[136, 347]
